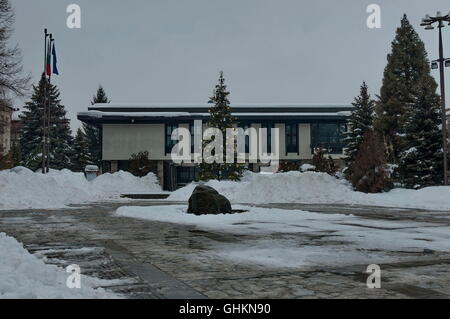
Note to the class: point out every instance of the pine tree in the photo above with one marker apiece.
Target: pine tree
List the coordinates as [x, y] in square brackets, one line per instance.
[370, 173]
[421, 163]
[93, 133]
[81, 156]
[360, 122]
[407, 65]
[221, 118]
[31, 133]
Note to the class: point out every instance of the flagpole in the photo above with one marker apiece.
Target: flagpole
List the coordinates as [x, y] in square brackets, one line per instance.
[44, 115]
[49, 110]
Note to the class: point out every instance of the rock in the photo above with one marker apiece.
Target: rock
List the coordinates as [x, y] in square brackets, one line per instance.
[206, 200]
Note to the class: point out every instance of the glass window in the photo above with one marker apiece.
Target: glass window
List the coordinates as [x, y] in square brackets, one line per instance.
[291, 138]
[268, 126]
[169, 142]
[329, 136]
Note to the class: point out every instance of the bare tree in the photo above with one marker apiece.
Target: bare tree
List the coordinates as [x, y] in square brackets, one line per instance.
[11, 78]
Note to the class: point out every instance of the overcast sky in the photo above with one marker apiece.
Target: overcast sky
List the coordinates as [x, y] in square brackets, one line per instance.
[167, 51]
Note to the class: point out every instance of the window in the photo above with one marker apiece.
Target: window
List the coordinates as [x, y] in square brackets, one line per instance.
[192, 130]
[329, 136]
[247, 139]
[292, 138]
[269, 126]
[186, 175]
[169, 142]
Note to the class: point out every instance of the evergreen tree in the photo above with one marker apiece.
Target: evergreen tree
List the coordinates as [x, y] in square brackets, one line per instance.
[407, 65]
[360, 122]
[81, 156]
[31, 133]
[421, 162]
[93, 133]
[221, 118]
[370, 173]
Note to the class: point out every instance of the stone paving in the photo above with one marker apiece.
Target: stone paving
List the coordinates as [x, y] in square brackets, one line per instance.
[145, 259]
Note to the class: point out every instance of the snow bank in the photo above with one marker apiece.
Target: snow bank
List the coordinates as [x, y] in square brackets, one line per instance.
[24, 276]
[311, 187]
[20, 188]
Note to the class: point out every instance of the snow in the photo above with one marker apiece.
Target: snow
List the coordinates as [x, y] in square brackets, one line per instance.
[24, 276]
[98, 114]
[208, 105]
[20, 188]
[307, 167]
[320, 188]
[293, 238]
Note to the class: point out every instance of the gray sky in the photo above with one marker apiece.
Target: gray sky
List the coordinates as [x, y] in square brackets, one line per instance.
[167, 51]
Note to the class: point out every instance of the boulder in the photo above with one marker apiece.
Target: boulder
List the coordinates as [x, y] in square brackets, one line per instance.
[206, 200]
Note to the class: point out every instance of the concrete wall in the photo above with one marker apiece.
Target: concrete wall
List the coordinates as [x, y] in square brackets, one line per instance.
[122, 140]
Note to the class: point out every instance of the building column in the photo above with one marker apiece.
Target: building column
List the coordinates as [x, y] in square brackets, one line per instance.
[305, 141]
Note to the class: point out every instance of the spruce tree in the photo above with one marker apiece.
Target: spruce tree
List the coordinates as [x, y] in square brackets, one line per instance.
[59, 132]
[407, 65]
[220, 117]
[81, 156]
[421, 162]
[360, 122]
[93, 133]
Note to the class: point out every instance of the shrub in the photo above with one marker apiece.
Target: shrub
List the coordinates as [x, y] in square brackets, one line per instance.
[140, 164]
[323, 164]
[369, 171]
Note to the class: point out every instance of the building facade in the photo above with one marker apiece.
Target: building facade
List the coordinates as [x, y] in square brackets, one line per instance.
[5, 128]
[128, 129]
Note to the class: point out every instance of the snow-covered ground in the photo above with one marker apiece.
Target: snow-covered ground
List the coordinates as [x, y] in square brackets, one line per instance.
[311, 187]
[294, 238]
[24, 276]
[21, 188]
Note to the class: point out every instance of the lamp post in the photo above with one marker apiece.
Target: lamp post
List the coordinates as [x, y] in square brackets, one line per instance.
[428, 23]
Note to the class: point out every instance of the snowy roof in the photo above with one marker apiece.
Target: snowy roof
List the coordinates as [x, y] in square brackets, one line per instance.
[124, 113]
[208, 105]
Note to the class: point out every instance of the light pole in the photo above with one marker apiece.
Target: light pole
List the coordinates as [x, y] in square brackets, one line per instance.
[428, 22]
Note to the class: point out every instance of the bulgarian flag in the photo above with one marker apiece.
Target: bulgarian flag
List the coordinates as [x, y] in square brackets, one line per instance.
[51, 52]
[48, 67]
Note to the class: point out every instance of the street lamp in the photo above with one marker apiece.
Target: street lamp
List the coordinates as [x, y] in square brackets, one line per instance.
[428, 22]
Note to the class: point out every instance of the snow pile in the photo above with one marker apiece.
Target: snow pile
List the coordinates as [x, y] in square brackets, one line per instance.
[311, 187]
[20, 188]
[24, 276]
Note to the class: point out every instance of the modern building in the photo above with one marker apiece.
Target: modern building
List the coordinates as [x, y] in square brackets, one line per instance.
[6, 112]
[129, 129]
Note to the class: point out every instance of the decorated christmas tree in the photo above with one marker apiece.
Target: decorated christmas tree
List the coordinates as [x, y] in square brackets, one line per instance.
[220, 117]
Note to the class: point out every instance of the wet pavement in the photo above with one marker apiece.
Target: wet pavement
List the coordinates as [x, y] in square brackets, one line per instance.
[147, 259]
